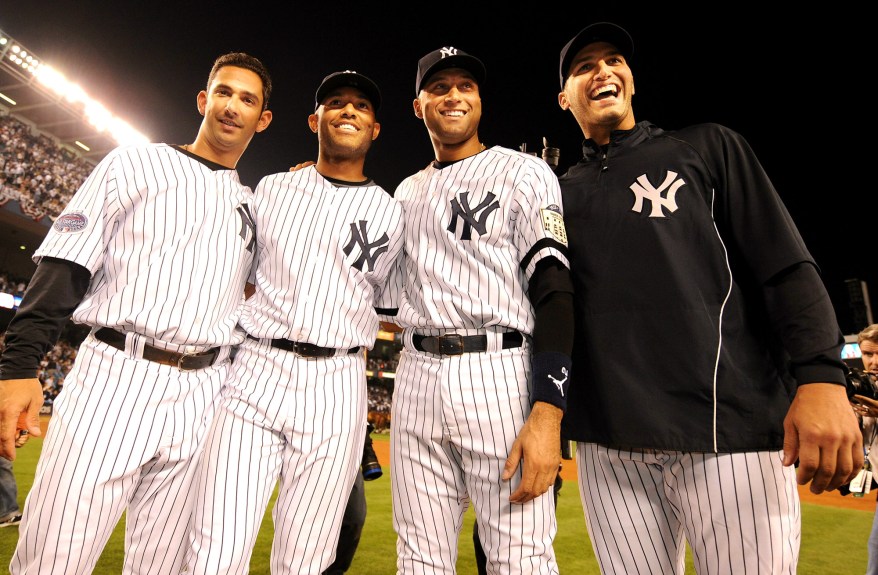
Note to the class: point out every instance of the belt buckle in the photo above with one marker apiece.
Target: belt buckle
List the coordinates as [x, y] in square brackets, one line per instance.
[182, 357]
[451, 344]
[303, 349]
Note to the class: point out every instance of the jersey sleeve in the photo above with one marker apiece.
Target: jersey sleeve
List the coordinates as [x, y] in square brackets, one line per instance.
[77, 235]
[540, 230]
[387, 263]
[387, 300]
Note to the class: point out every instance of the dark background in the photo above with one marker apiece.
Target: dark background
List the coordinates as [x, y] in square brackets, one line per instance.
[795, 84]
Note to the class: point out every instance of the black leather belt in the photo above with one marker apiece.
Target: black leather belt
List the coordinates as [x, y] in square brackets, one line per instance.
[308, 349]
[456, 344]
[182, 361]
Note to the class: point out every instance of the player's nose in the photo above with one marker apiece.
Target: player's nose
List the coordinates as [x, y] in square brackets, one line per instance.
[453, 94]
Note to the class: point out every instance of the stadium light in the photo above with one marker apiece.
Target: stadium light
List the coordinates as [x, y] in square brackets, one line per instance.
[53, 80]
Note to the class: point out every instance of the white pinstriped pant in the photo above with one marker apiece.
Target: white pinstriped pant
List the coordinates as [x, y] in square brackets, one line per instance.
[453, 423]
[281, 416]
[124, 436]
[739, 511]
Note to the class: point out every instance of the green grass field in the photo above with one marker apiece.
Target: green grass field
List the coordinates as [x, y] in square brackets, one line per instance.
[833, 539]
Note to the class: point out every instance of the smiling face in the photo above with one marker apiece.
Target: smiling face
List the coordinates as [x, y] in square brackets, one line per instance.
[598, 91]
[345, 123]
[451, 107]
[232, 110]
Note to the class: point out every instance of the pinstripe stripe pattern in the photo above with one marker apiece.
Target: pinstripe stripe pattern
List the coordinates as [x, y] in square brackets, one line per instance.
[125, 434]
[739, 512]
[160, 221]
[281, 416]
[455, 283]
[454, 421]
[324, 250]
[474, 235]
[166, 240]
[308, 287]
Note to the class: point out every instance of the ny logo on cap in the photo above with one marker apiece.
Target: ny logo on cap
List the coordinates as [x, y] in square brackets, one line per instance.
[449, 51]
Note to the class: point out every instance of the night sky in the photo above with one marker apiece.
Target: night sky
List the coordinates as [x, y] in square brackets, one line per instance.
[794, 85]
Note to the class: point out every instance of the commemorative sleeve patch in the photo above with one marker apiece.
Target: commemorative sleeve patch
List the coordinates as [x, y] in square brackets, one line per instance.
[553, 222]
[70, 223]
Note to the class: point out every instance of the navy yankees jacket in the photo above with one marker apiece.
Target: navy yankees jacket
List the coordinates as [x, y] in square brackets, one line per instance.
[698, 306]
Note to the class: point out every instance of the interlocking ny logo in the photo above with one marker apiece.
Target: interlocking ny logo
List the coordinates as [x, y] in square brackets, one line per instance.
[449, 51]
[247, 224]
[460, 207]
[642, 188]
[369, 251]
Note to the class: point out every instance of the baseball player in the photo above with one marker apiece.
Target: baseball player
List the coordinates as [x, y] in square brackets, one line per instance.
[152, 252]
[483, 295]
[707, 358]
[295, 405]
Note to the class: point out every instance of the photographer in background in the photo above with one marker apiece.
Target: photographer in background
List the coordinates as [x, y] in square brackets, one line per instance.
[355, 512]
[867, 408]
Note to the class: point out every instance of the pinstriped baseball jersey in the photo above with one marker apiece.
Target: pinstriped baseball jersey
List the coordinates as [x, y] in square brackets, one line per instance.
[357, 232]
[141, 249]
[324, 250]
[475, 231]
[467, 226]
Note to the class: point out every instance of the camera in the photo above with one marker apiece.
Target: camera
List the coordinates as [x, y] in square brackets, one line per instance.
[370, 467]
[861, 383]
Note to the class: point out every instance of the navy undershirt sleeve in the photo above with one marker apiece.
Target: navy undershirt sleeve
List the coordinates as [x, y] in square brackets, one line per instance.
[551, 294]
[52, 294]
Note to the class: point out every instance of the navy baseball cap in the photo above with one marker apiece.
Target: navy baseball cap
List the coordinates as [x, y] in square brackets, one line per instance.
[351, 79]
[597, 32]
[448, 57]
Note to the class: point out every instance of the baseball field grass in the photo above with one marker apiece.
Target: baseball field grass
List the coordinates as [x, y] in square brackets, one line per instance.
[834, 530]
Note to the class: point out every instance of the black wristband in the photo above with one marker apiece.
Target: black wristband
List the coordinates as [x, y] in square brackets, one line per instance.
[551, 378]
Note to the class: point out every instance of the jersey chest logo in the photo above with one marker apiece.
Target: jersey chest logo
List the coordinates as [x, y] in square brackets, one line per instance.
[474, 217]
[643, 189]
[247, 225]
[369, 251]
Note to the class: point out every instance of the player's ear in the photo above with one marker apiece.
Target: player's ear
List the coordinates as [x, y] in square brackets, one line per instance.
[376, 129]
[417, 106]
[264, 120]
[312, 122]
[562, 100]
[201, 102]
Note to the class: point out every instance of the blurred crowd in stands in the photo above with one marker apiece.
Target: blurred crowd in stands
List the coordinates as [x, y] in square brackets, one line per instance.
[40, 175]
[10, 283]
[380, 392]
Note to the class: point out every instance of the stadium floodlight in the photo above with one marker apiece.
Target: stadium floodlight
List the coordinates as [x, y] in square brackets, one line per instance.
[53, 80]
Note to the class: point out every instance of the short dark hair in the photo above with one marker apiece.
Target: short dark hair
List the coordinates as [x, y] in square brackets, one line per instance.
[248, 62]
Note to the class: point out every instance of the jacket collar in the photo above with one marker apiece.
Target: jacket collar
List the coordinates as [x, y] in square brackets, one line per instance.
[620, 138]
